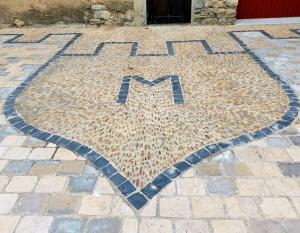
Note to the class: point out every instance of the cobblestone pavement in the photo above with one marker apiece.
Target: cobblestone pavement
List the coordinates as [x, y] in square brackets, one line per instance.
[249, 188]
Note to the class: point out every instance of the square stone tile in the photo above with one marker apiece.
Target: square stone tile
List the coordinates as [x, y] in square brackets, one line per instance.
[275, 155]
[51, 184]
[290, 169]
[3, 182]
[207, 169]
[296, 203]
[7, 202]
[188, 173]
[153, 225]
[283, 186]
[103, 186]
[265, 169]
[279, 142]
[228, 156]
[236, 169]
[21, 184]
[44, 168]
[130, 225]
[93, 205]
[191, 226]
[33, 142]
[3, 120]
[265, 226]
[242, 207]
[249, 153]
[2, 164]
[63, 204]
[295, 140]
[3, 150]
[67, 225]
[51, 145]
[170, 190]
[120, 208]
[292, 226]
[221, 186]
[8, 223]
[228, 226]
[294, 152]
[79, 184]
[90, 170]
[150, 210]
[178, 207]
[30, 203]
[252, 187]
[34, 224]
[104, 225]
[17, 153]
[64, 154]
[41, 153]
[277, 208]
[71, 167]
[20, 167]
[190, 186]
[208, 207]
[13, 141]
[289, 131]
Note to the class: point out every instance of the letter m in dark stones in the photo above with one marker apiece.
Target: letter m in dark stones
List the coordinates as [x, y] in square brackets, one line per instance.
[176, 87]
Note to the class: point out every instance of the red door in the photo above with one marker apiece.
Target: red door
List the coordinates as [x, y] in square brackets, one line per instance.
[249, 9]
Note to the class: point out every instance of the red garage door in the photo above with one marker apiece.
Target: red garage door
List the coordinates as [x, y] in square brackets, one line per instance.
[249, 9]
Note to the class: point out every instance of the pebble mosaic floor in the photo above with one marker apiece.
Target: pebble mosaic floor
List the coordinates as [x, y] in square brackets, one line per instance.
[145, 104]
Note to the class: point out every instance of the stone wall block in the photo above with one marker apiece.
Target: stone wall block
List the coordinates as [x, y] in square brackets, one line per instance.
[230, 13]
[232, 3]
[98, 7]
[102, 14]
[217, 3]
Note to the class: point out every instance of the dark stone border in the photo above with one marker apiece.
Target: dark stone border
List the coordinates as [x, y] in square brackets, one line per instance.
[138, 199]
[176, 87]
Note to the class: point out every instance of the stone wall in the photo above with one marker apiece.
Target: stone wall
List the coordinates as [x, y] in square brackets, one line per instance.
[43, 11]
[215, 11]
[105, 12]
[112, 12]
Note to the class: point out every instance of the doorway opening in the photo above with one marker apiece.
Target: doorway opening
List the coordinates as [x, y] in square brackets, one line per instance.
[168, 11]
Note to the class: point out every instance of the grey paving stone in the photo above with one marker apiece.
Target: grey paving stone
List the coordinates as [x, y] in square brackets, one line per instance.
[265, 227]
[290, 169]
[30, 204]
[221, 186]
[289, 131]
[292, 226]
[295, 140]
[17, 167]
[280, 142]
[80, 184]
[104, 225]
[63, 204]
[33, 142]
[8, 130]
[226, 157]
[90, 170]
[67, 225]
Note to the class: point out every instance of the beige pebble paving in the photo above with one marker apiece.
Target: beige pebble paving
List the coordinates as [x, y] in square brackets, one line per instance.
[150, 133]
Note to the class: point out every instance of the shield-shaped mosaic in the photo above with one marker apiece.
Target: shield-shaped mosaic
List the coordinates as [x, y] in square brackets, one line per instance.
[144, 109]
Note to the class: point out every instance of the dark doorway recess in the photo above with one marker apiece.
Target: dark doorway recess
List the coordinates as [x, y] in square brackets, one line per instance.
[168, 11]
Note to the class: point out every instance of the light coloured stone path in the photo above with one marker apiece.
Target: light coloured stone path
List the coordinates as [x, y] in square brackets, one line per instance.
[254, 188]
